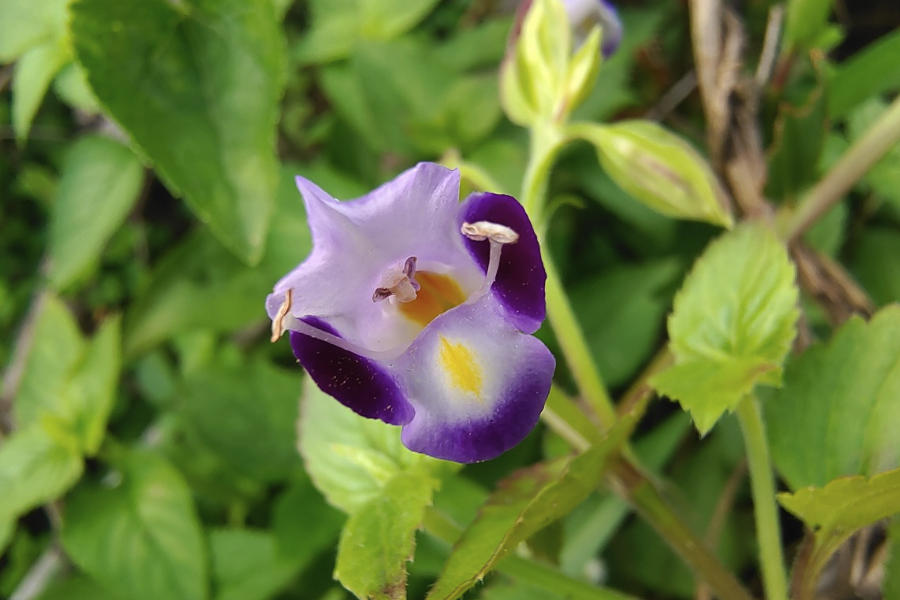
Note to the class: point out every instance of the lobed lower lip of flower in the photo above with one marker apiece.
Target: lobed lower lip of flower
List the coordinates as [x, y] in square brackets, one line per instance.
[417, 309]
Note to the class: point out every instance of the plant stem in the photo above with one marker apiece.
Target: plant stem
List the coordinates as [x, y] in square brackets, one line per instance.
[859, 158]
[533, 572]
[647, 500]
[765, 509]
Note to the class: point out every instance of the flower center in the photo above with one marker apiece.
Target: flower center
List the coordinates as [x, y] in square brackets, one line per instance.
[437, 294]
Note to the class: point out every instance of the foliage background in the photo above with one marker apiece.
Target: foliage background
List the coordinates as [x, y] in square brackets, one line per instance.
[149, 428]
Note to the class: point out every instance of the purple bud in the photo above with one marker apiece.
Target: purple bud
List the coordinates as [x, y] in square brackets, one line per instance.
[584, 15]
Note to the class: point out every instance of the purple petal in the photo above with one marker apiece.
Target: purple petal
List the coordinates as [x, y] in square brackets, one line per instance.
[358, 383]
[477, 383]
[584, 15]
[520, 280]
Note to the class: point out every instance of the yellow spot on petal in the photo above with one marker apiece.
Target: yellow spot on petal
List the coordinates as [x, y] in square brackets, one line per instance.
[460, 364]
[437, 294]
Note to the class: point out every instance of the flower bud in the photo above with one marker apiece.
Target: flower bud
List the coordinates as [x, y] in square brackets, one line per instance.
[660, 169]
[585, 15]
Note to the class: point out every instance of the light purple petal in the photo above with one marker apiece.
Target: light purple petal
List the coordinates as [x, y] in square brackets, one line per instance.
[354, 242]
[584, 15]
[358, 383]
[520, 280]
[477, 384]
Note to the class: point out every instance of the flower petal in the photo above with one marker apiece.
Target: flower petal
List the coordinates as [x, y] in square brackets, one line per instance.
[477, 383]
[355, 242]
[358, 383]
[520, 279]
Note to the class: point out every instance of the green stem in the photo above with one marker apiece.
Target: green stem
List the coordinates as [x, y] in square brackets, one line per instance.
[765, 509]
[530, 571]
[883, 135]
[649, 503]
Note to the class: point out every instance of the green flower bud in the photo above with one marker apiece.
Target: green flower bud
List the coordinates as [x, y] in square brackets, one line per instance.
[658, 168]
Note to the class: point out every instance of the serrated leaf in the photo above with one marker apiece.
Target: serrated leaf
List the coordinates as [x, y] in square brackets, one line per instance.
[35, 468]
[141, 539]
[837, 413]
[34, 72]
[350, 458]
[197, 85]
[846, 504]
[99, 184]
[257, 438]
[246, 565]
[523, 504]
[732, 324]
[379, 538]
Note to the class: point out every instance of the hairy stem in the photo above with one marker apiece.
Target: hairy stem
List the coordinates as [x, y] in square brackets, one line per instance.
[765, 509]
[883, 135]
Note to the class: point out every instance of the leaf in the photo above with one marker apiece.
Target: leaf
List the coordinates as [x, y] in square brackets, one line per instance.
[56, 348]
[338, 24]
[876, 263]
[891, 584]
[805, 22]
[303, 523]
[7, 530]
[348, 457]
[34, 469]
[99, 184]
[34, 71]
[732, 325]
[884, 176]
[258, 437]
[25, 24]
[246, 565]
[196, 84]
[141, 539]
[523, 504]
[379, 538]
[836, 415]
[846, 504]
[872, 71]
[77, 587]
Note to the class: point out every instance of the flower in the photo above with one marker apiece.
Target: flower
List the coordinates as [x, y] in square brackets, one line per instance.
[416, 309]
[585, 14]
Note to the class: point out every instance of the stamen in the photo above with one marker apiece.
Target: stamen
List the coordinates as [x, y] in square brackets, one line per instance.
[316, 333]
[278, 321]
[485, 230]
[498, 235]
[400, 284]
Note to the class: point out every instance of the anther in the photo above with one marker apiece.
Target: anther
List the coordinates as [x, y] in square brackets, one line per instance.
[485, 230]
[400, 284]
[278, 321]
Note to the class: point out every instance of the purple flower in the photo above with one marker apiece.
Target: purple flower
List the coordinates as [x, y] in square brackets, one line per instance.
[416, 309]
[585, 14]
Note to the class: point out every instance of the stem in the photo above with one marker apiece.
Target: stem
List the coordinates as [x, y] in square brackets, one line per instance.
[574, 347]
[647, 500]
[530, 571]
[861, 156]
[765, 509]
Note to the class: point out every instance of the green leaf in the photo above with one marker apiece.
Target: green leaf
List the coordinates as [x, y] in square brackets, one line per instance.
[732, 324]
[836, 415]
[25, 24]
[870, 72]
[523, 504]
[658, 168]
[7, 530]
[876, 263]
[35, 468]
[34, 71]
[348, 457]
[57, 346]
[196, 84]
[303, 523]
[846, 504]
[199, 285]
[246, 566]
[884, 176]
[805, 22]
[72, 88]
[379, 538]
[338, 24]
[257, 438]
[141, 539]
[77, 587]
[99, 184]
[891, 586]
